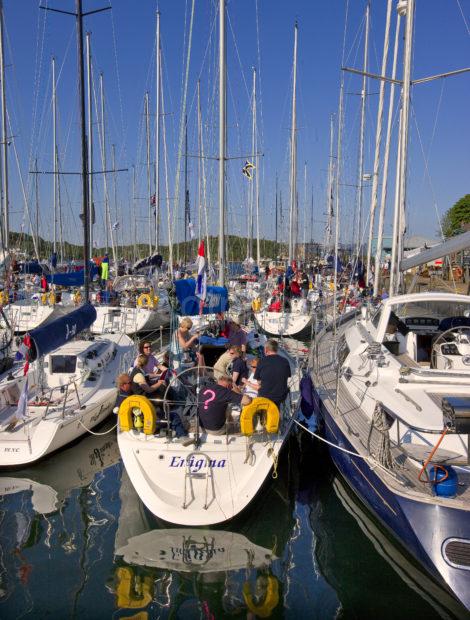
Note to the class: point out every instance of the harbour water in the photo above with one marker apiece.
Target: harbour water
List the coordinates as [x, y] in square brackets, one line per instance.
[76, 542]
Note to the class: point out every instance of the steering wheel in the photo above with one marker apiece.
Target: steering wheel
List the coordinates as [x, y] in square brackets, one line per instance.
[184, 390]
[449, 335]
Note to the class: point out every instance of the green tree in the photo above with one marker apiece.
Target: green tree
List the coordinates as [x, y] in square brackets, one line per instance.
[456, 216]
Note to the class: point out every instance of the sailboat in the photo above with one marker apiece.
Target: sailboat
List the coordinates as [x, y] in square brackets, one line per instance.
[392, 391]
[206, 479]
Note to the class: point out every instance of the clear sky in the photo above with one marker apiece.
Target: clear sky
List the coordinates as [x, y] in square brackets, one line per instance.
[259, 34]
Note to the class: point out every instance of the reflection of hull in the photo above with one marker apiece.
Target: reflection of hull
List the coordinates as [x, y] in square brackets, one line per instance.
[298, 325]
[53, 479]
[121, 319]
[422, 527]
[409, 571]
[199, 550]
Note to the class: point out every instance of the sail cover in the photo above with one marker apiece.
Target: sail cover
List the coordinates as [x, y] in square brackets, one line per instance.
[216, 298]
[74, 278]
[56, 333]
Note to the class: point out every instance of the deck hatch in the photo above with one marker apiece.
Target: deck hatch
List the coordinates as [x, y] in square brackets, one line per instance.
[457, 553]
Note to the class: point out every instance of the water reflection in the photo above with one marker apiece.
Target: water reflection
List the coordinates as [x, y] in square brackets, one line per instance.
[75, 541]
[235, 571]
[371, 575]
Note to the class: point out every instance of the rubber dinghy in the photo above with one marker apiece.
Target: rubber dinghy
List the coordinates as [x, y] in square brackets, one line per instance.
[70, 387]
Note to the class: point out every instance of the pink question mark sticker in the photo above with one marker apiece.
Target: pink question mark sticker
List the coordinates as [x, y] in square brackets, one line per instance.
[208, 400]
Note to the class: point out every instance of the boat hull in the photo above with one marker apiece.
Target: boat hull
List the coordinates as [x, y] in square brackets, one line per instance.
[423, 528]
[284, 324]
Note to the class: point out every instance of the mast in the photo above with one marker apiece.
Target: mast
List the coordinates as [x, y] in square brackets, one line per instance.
[252, 185]
[187, 218]
[157, 140]
[149, 190]
[36, 192]
[378, 143]
[54, 152]
[276, 222]
[293, 140]
[108, 227]
[383, 197]
[90, 139]
[115, 201]
[85, 205]
[329, 190]
[134, 219]
[256, 178]
[167, 185]
[360, 174]
[405, 129]
[222, 140]
[5, 208]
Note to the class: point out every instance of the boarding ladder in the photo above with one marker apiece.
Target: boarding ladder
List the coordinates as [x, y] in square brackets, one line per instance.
[189, 476]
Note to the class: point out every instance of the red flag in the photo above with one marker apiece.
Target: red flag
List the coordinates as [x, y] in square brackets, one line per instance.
[27, 345]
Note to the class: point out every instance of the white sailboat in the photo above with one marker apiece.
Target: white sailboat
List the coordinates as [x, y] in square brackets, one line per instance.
[206, 479]
[68, 389]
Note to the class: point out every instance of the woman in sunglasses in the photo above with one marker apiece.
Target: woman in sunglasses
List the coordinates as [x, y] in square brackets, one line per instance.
[145, 348]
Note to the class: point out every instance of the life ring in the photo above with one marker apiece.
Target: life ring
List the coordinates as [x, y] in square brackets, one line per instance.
[270, 416]
[145, 300]
[271, 600]
[256, 304]
[140, 408]
[133, 591]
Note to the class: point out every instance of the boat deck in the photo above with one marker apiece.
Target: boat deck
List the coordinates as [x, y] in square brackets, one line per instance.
[406, 466]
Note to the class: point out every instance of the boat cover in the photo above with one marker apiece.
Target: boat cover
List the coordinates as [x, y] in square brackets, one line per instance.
[74, 278]
[216, 298]
[56, 333]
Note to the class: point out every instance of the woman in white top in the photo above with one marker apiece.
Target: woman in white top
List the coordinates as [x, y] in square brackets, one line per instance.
[251, 384]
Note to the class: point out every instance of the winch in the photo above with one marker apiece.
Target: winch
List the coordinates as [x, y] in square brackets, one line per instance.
[456, 412]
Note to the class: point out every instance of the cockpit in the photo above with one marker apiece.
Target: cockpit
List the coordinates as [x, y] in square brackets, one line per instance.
[427, 332]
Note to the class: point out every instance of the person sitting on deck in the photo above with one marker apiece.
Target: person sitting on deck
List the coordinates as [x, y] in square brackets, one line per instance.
[145, 348]
[213, 406]
[221, 367]
[124, 385]
[251, 384]
[236, 335]
[273, 373]
[140, 384]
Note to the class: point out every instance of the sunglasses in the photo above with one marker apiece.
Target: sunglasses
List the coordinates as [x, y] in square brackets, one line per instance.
[147, 346]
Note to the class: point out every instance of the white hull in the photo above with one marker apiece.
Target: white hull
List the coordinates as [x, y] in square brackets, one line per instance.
[283, 323]
[46, 428]
[217, 484]
[24, 317]
[121, 319]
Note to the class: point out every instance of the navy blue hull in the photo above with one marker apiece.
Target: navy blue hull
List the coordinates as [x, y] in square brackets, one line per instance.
[421, 527]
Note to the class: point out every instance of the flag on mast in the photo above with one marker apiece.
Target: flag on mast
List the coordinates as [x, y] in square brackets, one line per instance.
[201, 283]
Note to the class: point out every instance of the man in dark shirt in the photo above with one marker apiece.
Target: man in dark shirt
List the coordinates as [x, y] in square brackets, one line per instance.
[273, 372]
[213, 403]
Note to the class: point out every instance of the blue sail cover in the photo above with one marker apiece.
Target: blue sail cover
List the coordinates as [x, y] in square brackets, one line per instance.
[56, 333]
[74, 278]
[216, 298]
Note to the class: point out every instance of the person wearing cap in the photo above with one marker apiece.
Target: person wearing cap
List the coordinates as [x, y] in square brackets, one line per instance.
[236, 335]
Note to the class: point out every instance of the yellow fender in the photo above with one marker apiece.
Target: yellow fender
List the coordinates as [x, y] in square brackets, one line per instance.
[264, 406]
[44, 299]
[271, 600]
[141, 403]
[52, 298]
[77, 298]
[133, 591]
[4, 298]
[145, 301]
[256, 304]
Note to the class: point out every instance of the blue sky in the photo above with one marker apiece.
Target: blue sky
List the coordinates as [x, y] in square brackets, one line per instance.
[260, 34]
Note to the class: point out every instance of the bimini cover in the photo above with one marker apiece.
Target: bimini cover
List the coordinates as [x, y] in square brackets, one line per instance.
[74, 278]
[216, 298]
[56, 333]
[156, 260]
